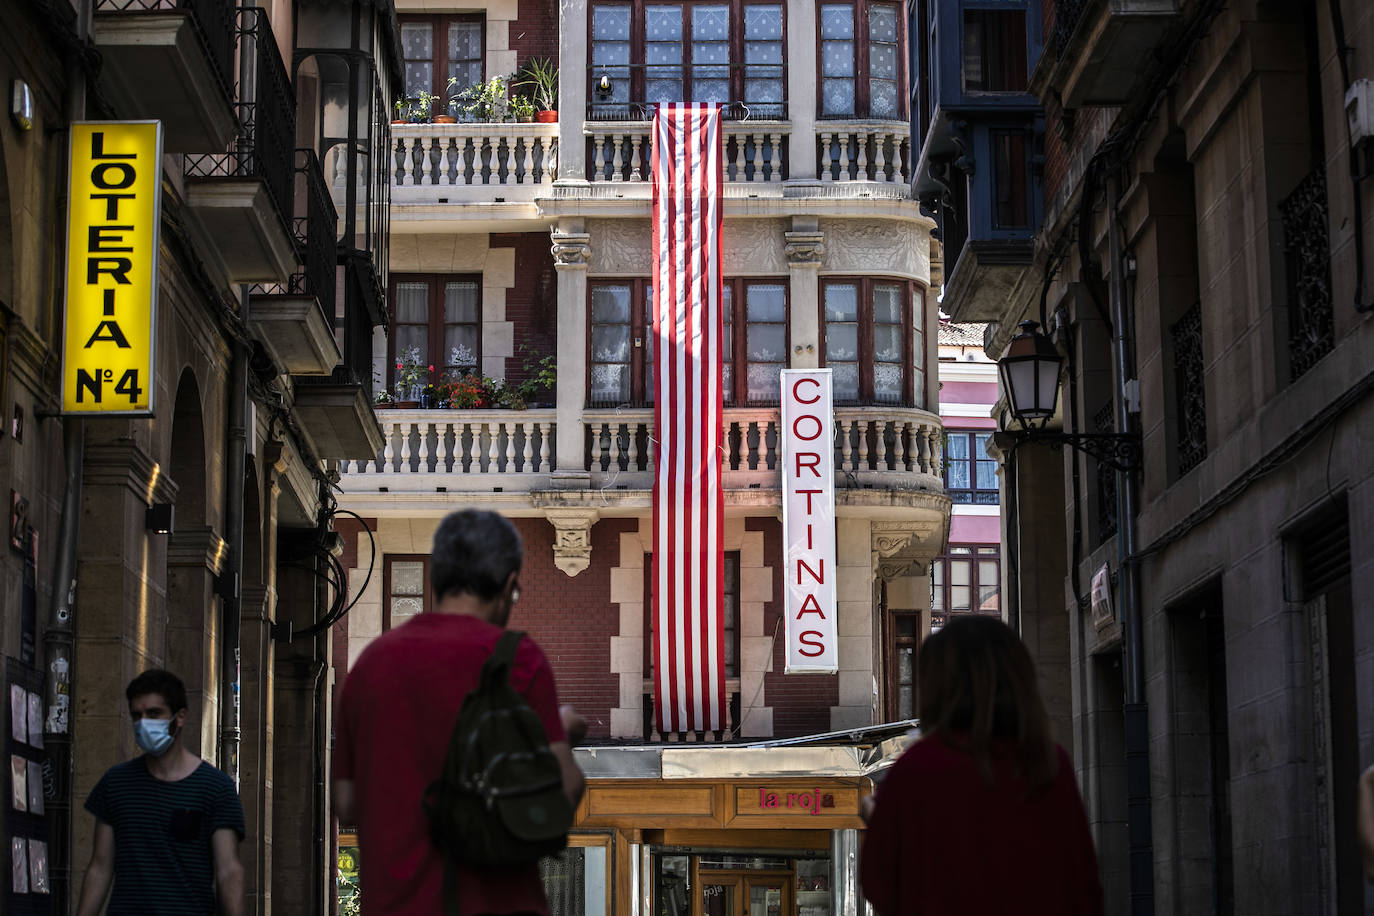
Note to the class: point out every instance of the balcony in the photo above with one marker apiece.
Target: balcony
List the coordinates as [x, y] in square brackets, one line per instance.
[1100, 49]
[172, 61]
[512, 452]
[294, 320]
[487, 174]
[243, 196]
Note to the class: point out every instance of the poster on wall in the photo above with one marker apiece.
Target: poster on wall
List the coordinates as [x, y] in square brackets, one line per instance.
[808, 521]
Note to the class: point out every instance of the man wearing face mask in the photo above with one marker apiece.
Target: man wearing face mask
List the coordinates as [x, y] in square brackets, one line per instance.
[397, 712]
[168, 824]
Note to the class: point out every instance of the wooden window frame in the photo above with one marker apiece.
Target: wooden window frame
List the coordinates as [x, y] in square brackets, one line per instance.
[439, 37]
[973, 491]
[994, 554]
[437, 283]
[640, 326]
[427, 602]
[866, 363]
[739, 345]
[861, 64]
[892, 647]
[638, 40]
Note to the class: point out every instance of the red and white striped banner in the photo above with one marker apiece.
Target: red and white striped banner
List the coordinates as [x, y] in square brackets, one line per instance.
[689, 651]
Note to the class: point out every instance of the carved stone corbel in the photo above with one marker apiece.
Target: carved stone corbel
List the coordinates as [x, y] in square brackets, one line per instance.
[572, 538]
[898, 548]
[805, 249]
[571, 250]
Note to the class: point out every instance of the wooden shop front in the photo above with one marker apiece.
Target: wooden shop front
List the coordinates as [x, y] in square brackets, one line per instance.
[734, 846]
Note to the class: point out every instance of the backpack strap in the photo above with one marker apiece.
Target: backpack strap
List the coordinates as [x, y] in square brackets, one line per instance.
[499, 663]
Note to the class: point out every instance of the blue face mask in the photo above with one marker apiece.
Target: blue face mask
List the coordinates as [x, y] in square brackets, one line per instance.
[153, 735]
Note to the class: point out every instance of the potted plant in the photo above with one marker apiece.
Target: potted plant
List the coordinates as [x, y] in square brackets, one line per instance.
[540, 76]
[384, 399]
[423, 107]
[411, 373]
[485, 102]
[402, 106]
[522, 109]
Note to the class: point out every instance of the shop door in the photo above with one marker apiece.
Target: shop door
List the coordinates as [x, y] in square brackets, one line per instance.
[763, 895]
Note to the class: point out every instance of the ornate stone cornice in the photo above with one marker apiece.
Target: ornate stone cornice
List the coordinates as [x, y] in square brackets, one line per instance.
[571, 250]
[805, 249]
[572, 539]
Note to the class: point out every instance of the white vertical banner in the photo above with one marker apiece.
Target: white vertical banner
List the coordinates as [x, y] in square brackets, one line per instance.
[808, 521]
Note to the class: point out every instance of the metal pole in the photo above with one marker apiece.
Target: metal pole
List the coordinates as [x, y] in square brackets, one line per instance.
[231, 622]
[59, 635]
[1136, 712]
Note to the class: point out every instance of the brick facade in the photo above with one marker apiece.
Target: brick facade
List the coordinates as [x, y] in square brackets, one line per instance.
[532, 304]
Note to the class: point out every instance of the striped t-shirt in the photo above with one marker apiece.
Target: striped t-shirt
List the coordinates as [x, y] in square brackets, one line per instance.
[163, 861]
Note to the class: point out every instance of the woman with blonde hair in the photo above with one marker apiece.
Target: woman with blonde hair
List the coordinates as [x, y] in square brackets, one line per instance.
[981, 815]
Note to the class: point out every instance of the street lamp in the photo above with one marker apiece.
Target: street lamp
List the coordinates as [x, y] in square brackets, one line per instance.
[1030, 377]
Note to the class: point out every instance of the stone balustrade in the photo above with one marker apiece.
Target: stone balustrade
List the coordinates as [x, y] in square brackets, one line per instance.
[458, 450]
[464, 155]
[878, 151]
[755, 151]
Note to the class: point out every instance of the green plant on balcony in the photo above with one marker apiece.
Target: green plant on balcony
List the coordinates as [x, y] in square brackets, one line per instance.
[412, 374]
[540, 77]
[522, 109]
[481, 102]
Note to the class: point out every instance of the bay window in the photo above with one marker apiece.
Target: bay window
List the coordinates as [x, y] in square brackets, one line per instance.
[860, 60]
[994, 52]
[727, 52]
[873, 340]
[436, 49]
[441, 318]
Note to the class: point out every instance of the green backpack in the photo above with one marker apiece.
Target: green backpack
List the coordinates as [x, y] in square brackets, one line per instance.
[500, 799]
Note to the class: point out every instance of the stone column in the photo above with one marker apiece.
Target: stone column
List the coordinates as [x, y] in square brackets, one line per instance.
[257, 685]
[571, 251]
[119, 616]
[572, 91]
[801, 89]
[805, 251]
[194, 559]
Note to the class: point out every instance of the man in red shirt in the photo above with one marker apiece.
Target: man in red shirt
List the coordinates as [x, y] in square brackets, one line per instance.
[397, 712]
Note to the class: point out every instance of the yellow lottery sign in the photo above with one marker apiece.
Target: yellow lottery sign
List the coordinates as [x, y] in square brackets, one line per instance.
[114, 206]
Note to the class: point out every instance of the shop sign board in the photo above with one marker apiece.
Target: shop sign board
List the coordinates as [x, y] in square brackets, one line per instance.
[808, 521]
[114, 191]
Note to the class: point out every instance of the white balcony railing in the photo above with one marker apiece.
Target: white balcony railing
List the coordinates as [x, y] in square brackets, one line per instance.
[459, 450]
[513, 450]
[755, 151]
[878, 151]
[466, 155]
[874, 445]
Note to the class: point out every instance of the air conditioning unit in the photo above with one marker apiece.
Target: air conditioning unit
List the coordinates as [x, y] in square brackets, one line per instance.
[1359, 111]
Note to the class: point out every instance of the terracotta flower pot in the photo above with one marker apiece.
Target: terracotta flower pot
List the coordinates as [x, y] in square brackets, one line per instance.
[445, 119]
[546, 117]
[406, 405]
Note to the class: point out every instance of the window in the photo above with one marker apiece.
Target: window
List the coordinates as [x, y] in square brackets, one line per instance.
[437, 48]
[441, 317]
[1010, 180]
[904, 640]
[995, 48]
[860, 54]
[970, 475]
[622, 342]
[866, 343]
[621, 368]
[723, 52]
[760, 307]
[406, 583]
[966, 580]
[729, 613]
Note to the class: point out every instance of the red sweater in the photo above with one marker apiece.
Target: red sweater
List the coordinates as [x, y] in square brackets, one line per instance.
[942, 840]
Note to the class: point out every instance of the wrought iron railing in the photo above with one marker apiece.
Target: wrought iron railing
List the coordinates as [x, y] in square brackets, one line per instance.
[213, 21]
[1190, 402]
[317, 238]
[264, 147]
[1067, 15]
[1104, 421]
[1307, 253]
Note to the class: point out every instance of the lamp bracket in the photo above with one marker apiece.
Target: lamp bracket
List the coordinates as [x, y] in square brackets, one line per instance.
[1117, 450]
